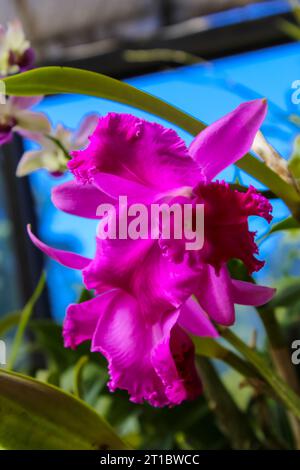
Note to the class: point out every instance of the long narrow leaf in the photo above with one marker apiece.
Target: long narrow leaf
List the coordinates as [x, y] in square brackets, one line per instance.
[9, 321]
[24, 319]
[290, 399]
[37, 416]
[210, 348]
[52, 80]
[287, 224]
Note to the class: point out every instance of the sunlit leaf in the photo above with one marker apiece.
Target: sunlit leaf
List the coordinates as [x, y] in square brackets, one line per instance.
[287, 224]
[34, 415]
[209, 347]
[288, 397]
[24, 319]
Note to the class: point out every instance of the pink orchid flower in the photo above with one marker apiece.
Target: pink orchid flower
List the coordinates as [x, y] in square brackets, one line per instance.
[16, 116]
[150, 294]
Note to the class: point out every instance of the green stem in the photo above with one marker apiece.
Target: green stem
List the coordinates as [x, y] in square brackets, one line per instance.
[59, 145]
[212, 349]
[281, 359]
[288, 397]
[78, 370]
[25, 317]
[232, 421]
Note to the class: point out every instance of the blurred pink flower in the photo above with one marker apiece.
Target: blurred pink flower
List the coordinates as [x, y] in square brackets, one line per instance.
[15, 116]
[146, 290]
[53, 154]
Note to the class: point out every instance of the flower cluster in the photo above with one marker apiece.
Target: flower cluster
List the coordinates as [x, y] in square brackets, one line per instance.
[16, 116]
[150, 294]
[16, 55]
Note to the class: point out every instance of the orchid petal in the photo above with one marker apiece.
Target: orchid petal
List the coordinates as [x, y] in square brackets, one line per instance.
[141, 151]
[33, 121]
[174, 362]
[195, 320]
[86, 128]
[132, 264]
[226, 230]
[34, 160]
[114, 263]
[25, 102]
[5, 136]
[81, 319]
[66, 258]
[36, 136]
[78, 199]
[247, 293]
[141, 357]
[228, 139]
[116, 186]
[215, 295]
[123, 338]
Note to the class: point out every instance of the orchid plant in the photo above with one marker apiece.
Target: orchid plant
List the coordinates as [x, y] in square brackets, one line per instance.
[154, 310]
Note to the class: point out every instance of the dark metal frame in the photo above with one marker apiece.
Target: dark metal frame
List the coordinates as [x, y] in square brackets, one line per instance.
[20, 208]
[206, 44]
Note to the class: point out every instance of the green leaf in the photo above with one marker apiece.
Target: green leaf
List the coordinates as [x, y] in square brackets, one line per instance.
[48, 338]
[24, 319]
[53, 80]
[287, 396]
[294, 160]
[49, 341]
[37, 416]
[209, 347]
[292, 30]
[9, 321]
[286, 296]
[232, 421]
[287, 224]
[84, 295]
[77, 382]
